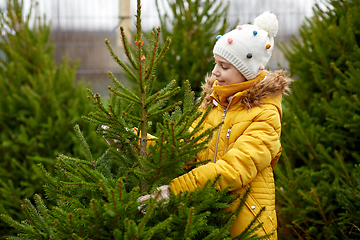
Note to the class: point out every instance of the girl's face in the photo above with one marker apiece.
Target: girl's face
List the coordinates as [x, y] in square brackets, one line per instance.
[225, 73]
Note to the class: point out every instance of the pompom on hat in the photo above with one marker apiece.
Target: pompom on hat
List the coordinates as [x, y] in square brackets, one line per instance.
[249, 47]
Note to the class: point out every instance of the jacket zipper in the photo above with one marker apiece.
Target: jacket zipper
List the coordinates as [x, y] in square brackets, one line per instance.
[227, 140]
[217, 140]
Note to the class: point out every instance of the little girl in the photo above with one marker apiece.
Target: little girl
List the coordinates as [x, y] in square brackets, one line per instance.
[247, 99]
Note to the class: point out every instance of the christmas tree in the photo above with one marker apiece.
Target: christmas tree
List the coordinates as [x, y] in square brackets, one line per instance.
[318, 184]
[192, 27]
[102, 198]
[39, 105]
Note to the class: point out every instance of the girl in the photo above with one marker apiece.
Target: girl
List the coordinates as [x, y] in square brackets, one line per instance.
[247, 99]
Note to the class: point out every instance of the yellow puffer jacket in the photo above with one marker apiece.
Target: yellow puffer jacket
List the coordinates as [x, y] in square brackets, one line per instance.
[247, 146]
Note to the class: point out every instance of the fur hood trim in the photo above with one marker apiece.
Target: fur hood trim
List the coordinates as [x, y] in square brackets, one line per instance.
[276, 83]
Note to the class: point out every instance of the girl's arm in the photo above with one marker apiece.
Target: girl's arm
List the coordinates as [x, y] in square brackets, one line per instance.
[251, 153]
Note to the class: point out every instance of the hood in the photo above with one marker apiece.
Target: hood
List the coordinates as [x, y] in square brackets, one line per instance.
[276, 83]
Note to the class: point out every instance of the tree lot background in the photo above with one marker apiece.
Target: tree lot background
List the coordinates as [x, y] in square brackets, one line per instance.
[80, 27]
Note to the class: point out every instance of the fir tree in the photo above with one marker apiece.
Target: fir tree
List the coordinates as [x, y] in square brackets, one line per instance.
[318, 186]
[192, 26]
[94, 201]
[39, 105]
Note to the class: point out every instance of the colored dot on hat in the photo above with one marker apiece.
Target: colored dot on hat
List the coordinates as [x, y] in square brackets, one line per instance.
[218, 37]
[268, 46]
[249, 55]
[239, 27]
[229, 40]
[255, 32]
[261, 67]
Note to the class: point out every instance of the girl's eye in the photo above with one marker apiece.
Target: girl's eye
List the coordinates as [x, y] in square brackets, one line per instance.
[225, 68]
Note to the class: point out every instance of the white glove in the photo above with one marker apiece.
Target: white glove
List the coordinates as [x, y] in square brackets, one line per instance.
[161, 193]
[110, 141]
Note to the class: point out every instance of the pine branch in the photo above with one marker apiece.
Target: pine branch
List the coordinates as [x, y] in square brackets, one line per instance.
[126, 48]
[251, 229]
[62, 160]
[162, 95]
[132, 117]
[162, 111]
[85, 146]
[189, 223]
[163, 51]
[153, 54]
[17, 225]
[119, 62]
[46, 176]
[165, 94]
[123, 88]
[125, 96]
[91, 175]
[96, 101]
[30, 211]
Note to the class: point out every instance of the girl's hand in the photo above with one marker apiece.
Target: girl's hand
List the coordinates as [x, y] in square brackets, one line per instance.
[160, 193]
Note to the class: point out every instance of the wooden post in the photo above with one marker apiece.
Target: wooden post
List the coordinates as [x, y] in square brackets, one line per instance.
[124, 20]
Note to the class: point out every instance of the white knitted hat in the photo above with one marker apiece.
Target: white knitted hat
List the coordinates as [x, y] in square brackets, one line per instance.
[249, 47]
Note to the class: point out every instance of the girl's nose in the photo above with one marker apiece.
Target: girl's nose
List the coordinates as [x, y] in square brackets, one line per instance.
[215, 72]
